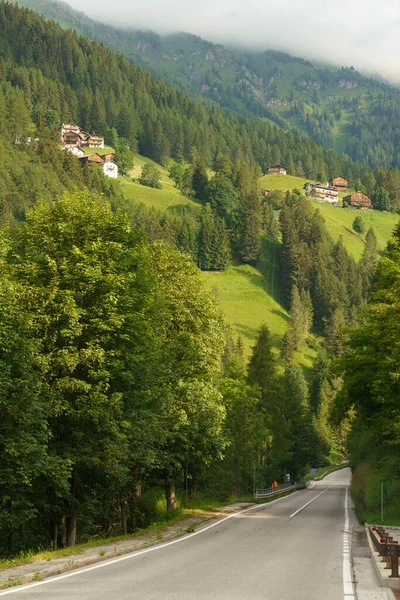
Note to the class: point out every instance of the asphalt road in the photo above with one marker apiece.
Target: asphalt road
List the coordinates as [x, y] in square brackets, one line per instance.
[295, 548]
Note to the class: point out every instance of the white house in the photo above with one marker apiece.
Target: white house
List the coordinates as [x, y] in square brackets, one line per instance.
[75, 150]
[110, 169]
[322, 192]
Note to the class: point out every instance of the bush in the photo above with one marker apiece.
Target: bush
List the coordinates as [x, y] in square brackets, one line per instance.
[359, 225]
[150, 176]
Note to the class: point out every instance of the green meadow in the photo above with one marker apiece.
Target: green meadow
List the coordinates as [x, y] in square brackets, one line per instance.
[167, 197]
[101, 151]
[250, 296]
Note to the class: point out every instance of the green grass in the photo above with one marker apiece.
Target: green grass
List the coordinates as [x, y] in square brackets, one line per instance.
[366, 490]
[100, 151]
[282, 182]
[162, 199]
[339, 222]
[249, 297]
[342, 131]
[242, 297]
[32, 556]
[168, 197]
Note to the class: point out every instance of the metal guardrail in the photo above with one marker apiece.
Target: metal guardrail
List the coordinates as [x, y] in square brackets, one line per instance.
[387, 548]
[286, 487]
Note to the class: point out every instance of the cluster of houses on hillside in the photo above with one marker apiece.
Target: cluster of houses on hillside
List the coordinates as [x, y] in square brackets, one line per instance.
[73, 139]
[328, 192]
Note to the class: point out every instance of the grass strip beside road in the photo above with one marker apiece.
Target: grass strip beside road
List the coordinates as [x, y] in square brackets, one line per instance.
[187, 518]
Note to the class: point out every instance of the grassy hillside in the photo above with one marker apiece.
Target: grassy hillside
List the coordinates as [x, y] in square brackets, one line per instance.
[249, 297]
[163, 199]
[339, 222]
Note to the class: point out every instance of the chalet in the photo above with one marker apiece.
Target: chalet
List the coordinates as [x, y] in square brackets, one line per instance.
[69, 128]
[95, 141]
[92, 159]
[71, 138]
[322, 192]
[277, 170]
[84, 137]
[339, 183]
[110, 168]
[264, 192]
[358, 200]
[73, 135]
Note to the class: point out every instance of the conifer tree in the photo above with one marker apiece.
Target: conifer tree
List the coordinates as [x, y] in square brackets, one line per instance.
[221, 249]
[199, 175]
[297, 319]
[287, 347]
[262, 368]
[368, 263]
[334, 332]
[300, 169]
[206, 239]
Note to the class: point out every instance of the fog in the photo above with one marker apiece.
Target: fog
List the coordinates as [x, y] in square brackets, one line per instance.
[364, 34]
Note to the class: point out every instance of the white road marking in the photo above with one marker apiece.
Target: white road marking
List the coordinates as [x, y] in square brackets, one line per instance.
[305, 505]
[79, 571]
[348, 590]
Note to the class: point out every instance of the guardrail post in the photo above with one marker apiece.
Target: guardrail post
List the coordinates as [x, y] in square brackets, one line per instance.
[387, 548]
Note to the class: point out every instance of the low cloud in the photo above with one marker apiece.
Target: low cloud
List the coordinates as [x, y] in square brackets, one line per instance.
[356, 32]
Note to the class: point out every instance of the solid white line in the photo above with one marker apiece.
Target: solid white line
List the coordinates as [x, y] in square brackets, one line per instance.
[303, 507]
[348, 590]
[79, 571]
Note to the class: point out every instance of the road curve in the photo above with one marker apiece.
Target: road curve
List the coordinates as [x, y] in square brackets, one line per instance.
[295, 548]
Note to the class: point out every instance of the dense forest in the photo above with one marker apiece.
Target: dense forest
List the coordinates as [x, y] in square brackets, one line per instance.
[72, 79]
[370, 371]
[117, 371]
[338, 107]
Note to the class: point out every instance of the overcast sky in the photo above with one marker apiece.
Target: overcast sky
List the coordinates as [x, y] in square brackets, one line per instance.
[362, 33]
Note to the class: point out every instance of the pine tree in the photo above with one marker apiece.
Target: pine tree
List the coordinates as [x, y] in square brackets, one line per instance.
[368, 263]
[222, 248]
[199, 176]
[297, 319]
[206, 239]
[300, 169]
[288, 347]
[334, 332]
[291, 167]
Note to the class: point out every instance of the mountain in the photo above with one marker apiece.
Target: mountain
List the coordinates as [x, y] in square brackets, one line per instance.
[338, 108]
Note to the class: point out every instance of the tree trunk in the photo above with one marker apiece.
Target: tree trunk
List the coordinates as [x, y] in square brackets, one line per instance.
[136, 492]
[123, 511]
[170, 494]
[60, 534]
[71, 528]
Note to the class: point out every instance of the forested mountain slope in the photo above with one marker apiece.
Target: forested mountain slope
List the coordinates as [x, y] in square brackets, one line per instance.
[337, 107]
[77, 80]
